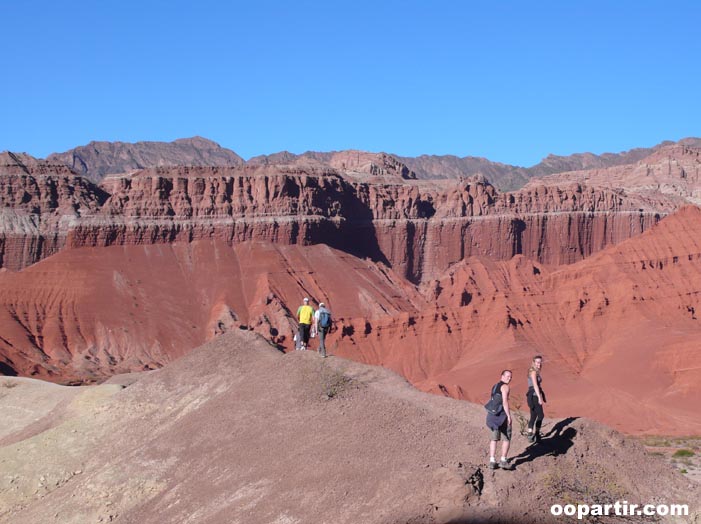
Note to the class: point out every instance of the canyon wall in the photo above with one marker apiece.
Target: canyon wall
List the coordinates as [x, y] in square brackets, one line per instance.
[419, 228]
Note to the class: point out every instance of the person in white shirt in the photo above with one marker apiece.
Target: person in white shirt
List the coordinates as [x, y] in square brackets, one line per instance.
[322, 325]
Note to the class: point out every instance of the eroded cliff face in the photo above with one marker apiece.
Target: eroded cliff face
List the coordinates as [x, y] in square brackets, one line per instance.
[38, 204]
[673, 171]
[622, 324]
[419, 228]
[421, 277]
[86, 313]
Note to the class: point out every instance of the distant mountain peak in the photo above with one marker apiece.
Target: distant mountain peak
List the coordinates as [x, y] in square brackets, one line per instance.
[197, 141]
[98, 159]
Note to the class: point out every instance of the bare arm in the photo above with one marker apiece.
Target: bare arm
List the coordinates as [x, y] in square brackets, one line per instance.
[536, 387]
[505, 401]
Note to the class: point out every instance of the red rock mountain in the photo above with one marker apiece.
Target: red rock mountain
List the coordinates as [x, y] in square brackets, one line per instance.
[446, 282]
[509, 178]
[98, 159]
[673, 171]
[419, 228]
[619, 330]
[348, 162]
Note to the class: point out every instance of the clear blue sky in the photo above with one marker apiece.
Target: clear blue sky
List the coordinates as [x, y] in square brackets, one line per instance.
[510, 81]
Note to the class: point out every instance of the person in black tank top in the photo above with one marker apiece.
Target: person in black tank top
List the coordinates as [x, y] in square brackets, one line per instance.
[535, 398]
[499, 423]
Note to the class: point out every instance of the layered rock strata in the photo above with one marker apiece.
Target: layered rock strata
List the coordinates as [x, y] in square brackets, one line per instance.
[621, 324]
[673, 171]
[418, 228]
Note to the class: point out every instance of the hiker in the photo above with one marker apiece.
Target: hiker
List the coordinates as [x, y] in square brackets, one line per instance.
[322, 325]
[499, 421]
[305, 312]
[535, 398]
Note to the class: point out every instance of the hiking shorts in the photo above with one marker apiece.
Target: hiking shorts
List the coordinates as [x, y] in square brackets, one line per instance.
[504, 429]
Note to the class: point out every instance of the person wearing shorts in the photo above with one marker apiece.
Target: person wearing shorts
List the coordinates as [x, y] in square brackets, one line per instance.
[499, 424]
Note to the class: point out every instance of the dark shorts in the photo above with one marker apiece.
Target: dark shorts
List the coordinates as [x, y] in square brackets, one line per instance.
[504, 429]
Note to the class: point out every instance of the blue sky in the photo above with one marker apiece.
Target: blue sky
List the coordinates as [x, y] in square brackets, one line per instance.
[510, 81]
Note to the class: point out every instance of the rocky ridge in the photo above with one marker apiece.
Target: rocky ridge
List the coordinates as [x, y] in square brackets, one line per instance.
[97, 159]
[673, 171]
[227, 434]
[380, 215]
[509, 178]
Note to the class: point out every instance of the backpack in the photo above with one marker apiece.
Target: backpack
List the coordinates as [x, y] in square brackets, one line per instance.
[324, 319]
[495, 405]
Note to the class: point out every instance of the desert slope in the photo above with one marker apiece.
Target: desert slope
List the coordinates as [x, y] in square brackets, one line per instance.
[237, 432]
[620, 325]
[619, 330]
[86, 314]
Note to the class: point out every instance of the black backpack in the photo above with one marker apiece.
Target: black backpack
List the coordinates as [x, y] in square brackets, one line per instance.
[495, 405]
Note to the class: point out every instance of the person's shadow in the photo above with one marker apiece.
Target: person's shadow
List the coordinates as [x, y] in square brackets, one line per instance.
[556, 442]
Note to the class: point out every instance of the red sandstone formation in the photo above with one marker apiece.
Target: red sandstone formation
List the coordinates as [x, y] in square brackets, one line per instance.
[39, 203]
[673, 171]
[89, 313]
[618, 331]
[420, 275]
[621, 324]
[419, 228]
[349, 162]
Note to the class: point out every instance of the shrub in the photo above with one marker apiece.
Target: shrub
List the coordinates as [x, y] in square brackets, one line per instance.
[683, 453]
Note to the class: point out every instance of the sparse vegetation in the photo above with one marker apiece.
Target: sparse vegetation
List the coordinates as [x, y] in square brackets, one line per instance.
[522, 419]
[683, 453]
[333, 382]
[655, 442]
[592, 488]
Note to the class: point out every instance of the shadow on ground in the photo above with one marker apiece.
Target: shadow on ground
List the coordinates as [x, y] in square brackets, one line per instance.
[556, 442]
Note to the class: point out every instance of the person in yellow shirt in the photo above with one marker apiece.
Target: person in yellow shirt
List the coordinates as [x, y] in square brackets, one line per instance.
[305, 314]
